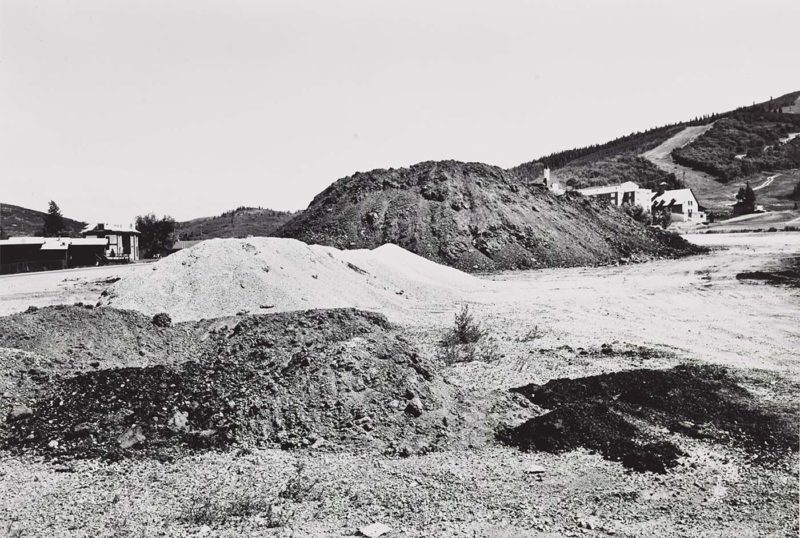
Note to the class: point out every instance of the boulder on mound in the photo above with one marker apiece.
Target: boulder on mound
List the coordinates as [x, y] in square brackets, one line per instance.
[475, 217]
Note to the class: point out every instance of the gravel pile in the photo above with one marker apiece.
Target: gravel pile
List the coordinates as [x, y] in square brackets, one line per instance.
[259, 275]
[323, 379]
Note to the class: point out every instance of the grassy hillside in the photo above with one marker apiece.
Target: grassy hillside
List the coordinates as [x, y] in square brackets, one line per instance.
[743, 144]
[474, 217]
[16, 221]
[240, 222]
[617, 161]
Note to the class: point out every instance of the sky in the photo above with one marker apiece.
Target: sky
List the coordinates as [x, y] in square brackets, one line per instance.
[189, 108]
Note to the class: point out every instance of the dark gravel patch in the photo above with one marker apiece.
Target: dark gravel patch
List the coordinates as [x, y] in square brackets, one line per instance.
[706, 402]
[788, 274]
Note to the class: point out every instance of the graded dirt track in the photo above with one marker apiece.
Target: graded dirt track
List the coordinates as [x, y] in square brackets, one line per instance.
[543, 325]
[705, 187]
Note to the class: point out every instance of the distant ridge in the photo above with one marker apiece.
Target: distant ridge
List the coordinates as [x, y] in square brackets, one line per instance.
[17, 221]
[240, 222]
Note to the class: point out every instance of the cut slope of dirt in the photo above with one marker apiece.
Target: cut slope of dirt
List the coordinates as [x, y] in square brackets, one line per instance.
[323, 378]
[262, 275]
[474, 217]
[622, 414]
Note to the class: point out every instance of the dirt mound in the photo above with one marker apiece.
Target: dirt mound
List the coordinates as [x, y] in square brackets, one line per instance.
[602, 412]
[473, 216]
[317, 378]
[74, 337]
[262, 275]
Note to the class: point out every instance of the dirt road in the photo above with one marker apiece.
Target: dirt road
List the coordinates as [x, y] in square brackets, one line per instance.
[706, 188]
[767, 182]
[18, 292]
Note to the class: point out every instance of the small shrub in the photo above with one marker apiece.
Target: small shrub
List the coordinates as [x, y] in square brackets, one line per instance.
[216, 509]
[466, 341]
[466, 329]
[533, 334]
[299, 487]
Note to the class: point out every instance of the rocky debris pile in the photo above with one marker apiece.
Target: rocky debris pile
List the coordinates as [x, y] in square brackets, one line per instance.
[81, 338]
[601, 413]
[475, 217]
[321, 379]
[225, 277]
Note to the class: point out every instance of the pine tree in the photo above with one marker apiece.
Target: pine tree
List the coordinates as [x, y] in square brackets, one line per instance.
[53, 221]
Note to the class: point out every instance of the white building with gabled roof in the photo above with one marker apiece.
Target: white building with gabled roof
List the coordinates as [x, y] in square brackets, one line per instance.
[122, 242]
[682, 204]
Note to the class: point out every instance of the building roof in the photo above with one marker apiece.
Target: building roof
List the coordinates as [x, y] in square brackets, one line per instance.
[51, 243]
[55, 243]
[676, 196]
[603, 189]
[22, 241]
[106, 227]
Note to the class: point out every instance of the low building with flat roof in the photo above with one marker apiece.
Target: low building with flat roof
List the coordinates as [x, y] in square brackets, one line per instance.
[27, 254]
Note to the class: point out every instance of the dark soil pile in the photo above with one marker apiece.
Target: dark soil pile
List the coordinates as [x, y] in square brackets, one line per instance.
[323, 378]
[788, 274]
[474, 217]
[600, 413]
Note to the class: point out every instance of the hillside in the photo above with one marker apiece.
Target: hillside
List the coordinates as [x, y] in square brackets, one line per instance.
[474, 217]
[240, 222]
[742, 142]
[16, 221]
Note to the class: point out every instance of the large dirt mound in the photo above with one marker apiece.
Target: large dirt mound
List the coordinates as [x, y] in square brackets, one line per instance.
[474, 217]
[601, 413]
[224, 277]
[325, 378]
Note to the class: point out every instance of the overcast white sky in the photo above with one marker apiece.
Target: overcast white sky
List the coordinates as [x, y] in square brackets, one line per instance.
[116, 108]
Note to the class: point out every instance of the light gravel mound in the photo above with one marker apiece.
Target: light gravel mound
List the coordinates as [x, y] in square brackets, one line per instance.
[223, 277]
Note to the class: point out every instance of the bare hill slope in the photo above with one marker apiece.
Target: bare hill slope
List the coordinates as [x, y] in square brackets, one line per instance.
[17, 221]
[474, 217]
[240, 222]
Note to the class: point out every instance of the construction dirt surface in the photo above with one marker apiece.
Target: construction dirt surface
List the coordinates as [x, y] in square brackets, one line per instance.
[637, 399]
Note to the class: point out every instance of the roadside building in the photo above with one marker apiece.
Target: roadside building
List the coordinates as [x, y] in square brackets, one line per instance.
[122, 242]
[623, 193]
[27, 254]
[682, 205]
